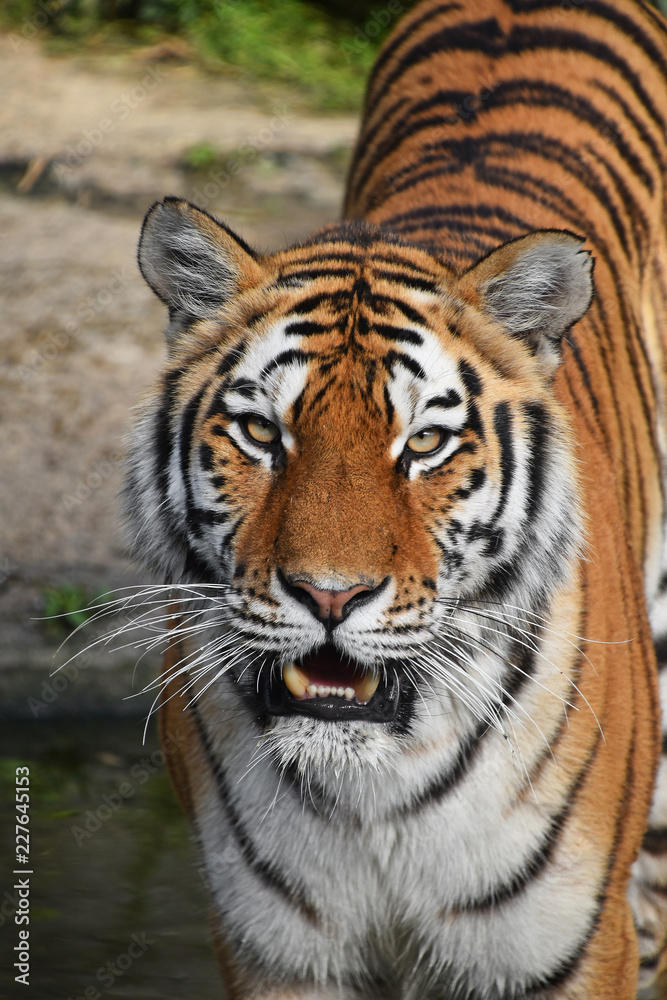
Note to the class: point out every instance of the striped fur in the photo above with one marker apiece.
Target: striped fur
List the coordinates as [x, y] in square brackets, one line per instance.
[492, 837]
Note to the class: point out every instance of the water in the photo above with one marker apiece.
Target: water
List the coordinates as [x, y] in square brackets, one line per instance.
[117, 905]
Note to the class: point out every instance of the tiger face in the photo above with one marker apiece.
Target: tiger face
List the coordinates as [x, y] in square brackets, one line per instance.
[353, 451]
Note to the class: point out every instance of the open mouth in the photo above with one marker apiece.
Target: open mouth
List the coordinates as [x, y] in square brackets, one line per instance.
[328, 686]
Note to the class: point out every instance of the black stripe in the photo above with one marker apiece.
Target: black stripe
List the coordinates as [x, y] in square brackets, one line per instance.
[467, 448]
[243, 388]
[320, 394]
[487, 37]
[538, 860]
[389, 406]
[267, 873]
[538, 429]
[655, 841]
[485, 238]
[312, 273]
[406, 280]
[455, 155]
[380, 302]
[396, 357]
[390, 332]
[476, 481]
[163, 437]
[467, 212]
[534, 93]
[286, 358]
[321, 257]
[206, 457]
[661, 656]
[298, 406]
[450, 399]
[473, 421]
[586, 379]
[186, 428]
[502, 424]
[397, 40]
[530, 93]
[627, 25]
[231, 359]
[644, 134]
[444, 783]
[307, 328]
[470, 378]
[338, 301]
[468, 36]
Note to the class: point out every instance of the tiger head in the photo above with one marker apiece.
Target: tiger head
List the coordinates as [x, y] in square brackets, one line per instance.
[352, 451]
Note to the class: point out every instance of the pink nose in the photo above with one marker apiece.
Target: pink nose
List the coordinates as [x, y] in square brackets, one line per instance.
[330, 602]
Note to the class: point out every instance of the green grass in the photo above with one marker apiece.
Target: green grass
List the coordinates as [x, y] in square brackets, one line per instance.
[292, 43]
[324, 55]
[202, 156]
[66, 607]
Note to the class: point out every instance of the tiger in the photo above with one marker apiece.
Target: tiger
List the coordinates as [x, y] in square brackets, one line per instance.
[402, 486]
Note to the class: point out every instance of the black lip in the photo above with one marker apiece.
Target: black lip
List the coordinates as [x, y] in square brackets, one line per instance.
[382, 707]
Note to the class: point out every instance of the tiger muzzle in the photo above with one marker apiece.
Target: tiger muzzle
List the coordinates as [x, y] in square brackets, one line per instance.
[326, 685]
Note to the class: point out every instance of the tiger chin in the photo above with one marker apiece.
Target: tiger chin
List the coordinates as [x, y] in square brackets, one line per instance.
[402, 486]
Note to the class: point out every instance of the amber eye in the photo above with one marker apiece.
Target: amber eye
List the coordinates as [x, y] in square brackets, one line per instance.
[426, 441]
[261, 430]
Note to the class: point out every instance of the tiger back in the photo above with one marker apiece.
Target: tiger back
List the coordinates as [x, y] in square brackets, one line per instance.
[405, 483]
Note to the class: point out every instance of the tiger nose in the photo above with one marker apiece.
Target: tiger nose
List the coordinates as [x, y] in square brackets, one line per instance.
[331, 607]
[331, 603]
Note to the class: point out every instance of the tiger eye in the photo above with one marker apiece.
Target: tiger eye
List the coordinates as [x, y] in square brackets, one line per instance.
[261, 430]
[425, 441]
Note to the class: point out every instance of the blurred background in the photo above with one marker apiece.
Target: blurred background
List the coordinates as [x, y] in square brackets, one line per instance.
[249, 109]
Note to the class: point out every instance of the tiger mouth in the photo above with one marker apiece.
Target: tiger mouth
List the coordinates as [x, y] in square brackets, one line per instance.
[326, 685]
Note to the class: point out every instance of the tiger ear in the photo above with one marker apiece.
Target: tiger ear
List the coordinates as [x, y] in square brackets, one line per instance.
[193, 263]
[536, 287]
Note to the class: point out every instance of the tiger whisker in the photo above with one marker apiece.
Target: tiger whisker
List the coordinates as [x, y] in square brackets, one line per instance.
[570, 680]
[530, 648]
[506, 694]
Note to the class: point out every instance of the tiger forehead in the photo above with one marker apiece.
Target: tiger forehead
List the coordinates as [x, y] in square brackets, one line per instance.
[347, 284]
[351, 336]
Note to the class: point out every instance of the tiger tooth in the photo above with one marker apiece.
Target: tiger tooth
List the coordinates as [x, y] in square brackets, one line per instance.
[296, 680]
[311, 690]
[349, 694]
[367, 686]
